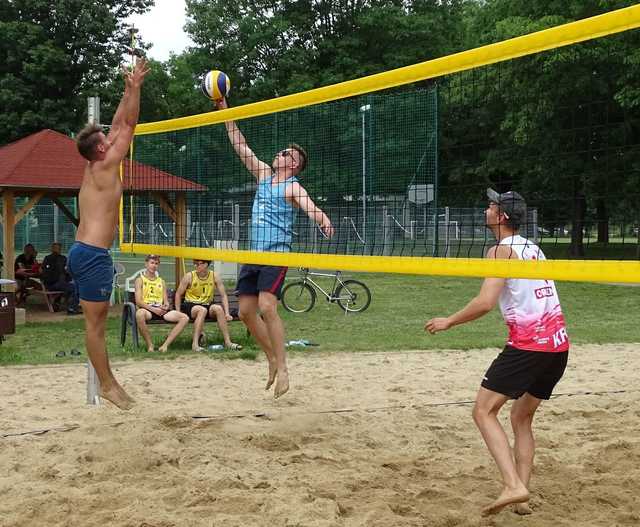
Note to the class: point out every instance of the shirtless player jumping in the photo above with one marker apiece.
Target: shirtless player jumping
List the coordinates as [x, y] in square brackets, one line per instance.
[89, 260]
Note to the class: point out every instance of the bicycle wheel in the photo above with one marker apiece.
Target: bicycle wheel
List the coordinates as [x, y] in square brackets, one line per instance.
[353, 296]
[298, 297]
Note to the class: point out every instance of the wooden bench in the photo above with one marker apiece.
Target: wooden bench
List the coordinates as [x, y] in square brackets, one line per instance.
[129, 315]
[49, 295]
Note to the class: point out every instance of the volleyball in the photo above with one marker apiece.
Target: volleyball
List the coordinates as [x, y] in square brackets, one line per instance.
[215, 85]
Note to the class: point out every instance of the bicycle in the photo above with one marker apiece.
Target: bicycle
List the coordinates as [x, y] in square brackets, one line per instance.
[300, 296]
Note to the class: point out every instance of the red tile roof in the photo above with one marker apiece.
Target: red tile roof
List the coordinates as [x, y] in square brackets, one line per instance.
[50, 160]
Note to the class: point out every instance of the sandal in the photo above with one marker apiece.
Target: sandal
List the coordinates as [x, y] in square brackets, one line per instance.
[233, 346]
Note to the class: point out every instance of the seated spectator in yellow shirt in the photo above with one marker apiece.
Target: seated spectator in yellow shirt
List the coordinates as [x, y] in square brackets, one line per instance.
[198, 288]
[153, 303]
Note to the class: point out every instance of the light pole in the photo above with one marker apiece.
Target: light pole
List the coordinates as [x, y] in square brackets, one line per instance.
[363, 109]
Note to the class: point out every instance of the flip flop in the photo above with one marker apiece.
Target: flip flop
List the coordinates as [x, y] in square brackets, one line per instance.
[234, 347]
[61, 354]
[199, 349]
[75, 353]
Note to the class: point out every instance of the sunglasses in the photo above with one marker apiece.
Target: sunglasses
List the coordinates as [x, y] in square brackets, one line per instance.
[285, 153]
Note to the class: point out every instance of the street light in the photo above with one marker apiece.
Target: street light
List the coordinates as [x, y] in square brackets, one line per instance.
[363, 109]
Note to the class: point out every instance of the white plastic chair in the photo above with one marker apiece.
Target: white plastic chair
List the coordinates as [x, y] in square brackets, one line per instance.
[118, 270]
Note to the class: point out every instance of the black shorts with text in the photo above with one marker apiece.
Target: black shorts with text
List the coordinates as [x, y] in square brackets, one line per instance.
[515, 372]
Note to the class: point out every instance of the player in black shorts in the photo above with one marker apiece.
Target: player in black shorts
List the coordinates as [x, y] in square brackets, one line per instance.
[530, 365]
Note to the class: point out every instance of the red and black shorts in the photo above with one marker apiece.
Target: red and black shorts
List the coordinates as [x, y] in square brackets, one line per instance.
[256, 278]
[517, 371]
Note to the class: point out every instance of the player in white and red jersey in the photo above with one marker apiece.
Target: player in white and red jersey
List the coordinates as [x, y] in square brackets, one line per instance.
[532, 362]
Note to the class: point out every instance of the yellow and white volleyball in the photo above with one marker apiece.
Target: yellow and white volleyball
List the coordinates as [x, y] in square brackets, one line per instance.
[215, 85]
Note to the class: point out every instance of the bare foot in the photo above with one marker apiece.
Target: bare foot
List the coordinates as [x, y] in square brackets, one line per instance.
[508, 496]
[117, 396]
[163, 349]
[273, 370]
[150, 349]
[198, 349]
[522, 509]
[282, 384]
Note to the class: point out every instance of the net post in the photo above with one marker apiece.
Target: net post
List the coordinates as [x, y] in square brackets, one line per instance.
[93, 385]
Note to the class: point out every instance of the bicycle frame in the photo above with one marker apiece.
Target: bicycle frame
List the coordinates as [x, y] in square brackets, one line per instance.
[330, 296]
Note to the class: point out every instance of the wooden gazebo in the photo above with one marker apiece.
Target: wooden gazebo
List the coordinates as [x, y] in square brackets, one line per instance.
[47, 164]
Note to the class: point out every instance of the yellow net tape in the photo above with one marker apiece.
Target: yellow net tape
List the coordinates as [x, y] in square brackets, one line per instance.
[564, 35]
[578, 271]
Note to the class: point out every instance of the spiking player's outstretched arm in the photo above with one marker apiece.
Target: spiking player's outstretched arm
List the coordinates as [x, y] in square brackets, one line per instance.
[258, 168]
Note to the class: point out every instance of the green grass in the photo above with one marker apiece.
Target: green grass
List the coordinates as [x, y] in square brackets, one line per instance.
[595, 313]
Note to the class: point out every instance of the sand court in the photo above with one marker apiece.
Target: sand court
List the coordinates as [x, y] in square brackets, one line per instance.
[362, 439]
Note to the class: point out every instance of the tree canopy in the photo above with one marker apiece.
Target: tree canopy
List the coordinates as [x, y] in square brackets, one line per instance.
[54, 54]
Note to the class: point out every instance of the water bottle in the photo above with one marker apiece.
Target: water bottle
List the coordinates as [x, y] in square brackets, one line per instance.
[216, 347]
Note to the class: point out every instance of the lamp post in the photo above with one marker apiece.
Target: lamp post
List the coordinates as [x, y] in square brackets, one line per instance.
[363, 110]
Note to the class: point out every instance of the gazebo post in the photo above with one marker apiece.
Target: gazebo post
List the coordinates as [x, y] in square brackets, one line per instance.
[8, 232]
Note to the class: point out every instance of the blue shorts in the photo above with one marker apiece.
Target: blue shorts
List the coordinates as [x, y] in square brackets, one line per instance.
[92, 271]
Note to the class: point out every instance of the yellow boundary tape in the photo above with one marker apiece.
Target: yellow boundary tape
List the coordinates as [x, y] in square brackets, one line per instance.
[564, 35]
[572, 270]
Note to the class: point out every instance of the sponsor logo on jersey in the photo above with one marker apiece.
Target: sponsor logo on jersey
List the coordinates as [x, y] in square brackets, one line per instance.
[543, 292]
[559, 337]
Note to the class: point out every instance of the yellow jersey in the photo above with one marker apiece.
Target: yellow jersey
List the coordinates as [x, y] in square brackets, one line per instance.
[152, 290]
[201, 289]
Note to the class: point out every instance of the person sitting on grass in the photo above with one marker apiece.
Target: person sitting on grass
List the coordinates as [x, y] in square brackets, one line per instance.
[198, 288]
[153, 304]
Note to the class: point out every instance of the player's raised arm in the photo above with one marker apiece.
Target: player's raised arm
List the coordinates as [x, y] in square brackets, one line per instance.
[258, 168]
[126, 117]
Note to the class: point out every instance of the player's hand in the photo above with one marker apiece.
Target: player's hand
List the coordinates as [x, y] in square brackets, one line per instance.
[139, 71]
[327, 228]
[221, 104]
[133, 78]
[228, 317]
[437, 324]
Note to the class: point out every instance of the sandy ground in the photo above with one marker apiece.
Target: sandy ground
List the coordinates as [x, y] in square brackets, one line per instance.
[400, 454]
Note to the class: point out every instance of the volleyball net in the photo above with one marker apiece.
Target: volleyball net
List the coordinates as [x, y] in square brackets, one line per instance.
[400, 162]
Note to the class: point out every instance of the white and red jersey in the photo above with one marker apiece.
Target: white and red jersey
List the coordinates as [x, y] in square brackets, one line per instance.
[531, 308]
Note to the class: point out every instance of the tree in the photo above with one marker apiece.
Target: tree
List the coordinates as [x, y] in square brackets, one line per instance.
[274, 47]
[54, 54]
[558, 125]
